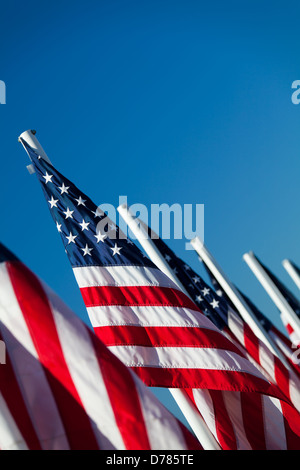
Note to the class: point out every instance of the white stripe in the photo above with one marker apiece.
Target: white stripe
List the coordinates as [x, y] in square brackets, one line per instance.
[183, 357]
[162, 428]
[10, 436]
[233, 406]
[205, 406]
[148, 316]
[29, 372]
[267, 361]
[85, 372]
[274, 424]
[295, 392]
[89, 276]
[236, 326]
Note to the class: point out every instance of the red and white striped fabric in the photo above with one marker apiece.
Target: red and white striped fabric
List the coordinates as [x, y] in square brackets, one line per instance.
[156, 330]
[60, 387]
[146, 321]
[172, 344]
[248, 421]
[287, 380]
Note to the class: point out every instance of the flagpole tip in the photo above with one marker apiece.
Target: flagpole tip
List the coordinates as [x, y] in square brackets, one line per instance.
[31, 131]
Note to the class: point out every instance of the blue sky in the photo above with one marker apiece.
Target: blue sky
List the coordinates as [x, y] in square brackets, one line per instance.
[165, 102]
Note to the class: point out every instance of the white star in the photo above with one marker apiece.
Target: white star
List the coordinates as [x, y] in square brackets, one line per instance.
[97, 213]
[53, 202]
[199, 298]
[71, 238]
[68, 213]
[219, 292]
[205, 291]
[84, 225]
[116, 250]
[113, 227]
[58, 226]
[186, 267]
[215, 303]
[196, 279]
[168, 258]
[80, 201]
[63, 189]
[48, 178]
[86, 250]
[100, 237]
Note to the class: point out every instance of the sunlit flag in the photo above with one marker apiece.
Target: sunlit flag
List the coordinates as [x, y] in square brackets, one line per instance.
[60, 387]
[159, 332]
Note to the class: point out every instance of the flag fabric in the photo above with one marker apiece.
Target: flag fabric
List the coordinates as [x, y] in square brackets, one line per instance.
[291, 299]
[225, 317]
[61, 388]
[284, 343]
[154, 328]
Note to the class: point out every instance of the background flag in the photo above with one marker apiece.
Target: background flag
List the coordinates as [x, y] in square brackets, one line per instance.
[61, 388]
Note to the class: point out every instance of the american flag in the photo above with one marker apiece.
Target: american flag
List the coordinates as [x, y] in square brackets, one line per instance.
[150, 324]
[225, 317]
[61, 388]
[291, 300]
[284, 343]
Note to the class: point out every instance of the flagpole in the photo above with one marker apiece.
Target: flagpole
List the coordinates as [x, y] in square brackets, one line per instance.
[30, 138]
[236, 298]
[288, 266]
[193, 417]
[273, 291]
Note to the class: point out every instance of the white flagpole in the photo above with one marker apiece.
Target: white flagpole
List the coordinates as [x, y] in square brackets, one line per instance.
[196, 422]
[30, 138]
[236, 298]
[273, 291]
[288, 266]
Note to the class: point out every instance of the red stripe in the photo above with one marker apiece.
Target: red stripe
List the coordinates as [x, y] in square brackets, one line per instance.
[207, 379]
[225, 432]
[192, 443]
[251, 343]
[12, 395]
[126, 406]
[224, 429]
[158, 336]
[136, 296]
[282, 377]
[40, 322]
[292, 426]
[253, 420]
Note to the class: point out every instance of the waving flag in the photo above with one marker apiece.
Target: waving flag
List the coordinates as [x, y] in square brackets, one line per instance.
[291, 299]
[283, 343]
[151, 325]
[225, 317]
[60, 387]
